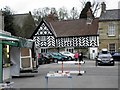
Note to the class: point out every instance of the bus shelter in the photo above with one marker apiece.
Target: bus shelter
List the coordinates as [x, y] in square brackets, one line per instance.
[17, 49]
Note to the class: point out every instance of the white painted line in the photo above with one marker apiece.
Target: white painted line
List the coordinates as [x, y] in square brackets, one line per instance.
[71, 62]
[73, 72]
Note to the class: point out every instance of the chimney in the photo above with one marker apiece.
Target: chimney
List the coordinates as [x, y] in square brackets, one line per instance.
[52, 17]
[89, 16]
[103, 8]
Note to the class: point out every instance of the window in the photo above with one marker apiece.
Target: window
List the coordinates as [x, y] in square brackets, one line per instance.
[66, 39]
[44, 50]
[112, 47]
[69, 49]
[43, 38]
[111, 29]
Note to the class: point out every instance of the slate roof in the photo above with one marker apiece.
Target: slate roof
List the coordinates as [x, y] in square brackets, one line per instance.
[21, 20]
[74, 27]
[110, 15]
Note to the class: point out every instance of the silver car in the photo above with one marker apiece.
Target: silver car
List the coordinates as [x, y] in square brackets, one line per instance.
[104, 57]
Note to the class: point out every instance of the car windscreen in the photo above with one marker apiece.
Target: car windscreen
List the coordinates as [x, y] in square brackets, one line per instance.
[104, 52]
[101, 55]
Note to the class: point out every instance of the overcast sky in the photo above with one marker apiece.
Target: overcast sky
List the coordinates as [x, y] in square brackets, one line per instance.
[24, 6]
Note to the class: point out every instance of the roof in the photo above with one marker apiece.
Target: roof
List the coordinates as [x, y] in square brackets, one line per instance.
[110, 15]
[77, 27]
[19, 19]
[24, 25]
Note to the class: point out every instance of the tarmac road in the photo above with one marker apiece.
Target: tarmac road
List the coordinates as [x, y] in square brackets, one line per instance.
[95, 77]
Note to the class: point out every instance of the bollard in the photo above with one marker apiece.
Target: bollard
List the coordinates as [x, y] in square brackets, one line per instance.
[79, 74]
[62, 66]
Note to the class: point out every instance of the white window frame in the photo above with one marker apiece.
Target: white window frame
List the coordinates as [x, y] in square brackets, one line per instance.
[111, 29]
[70, 49]
[43, 38]
[109, 47]
[43, 50]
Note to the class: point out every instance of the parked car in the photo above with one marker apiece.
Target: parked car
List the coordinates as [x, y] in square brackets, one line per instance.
[69, 54]
[104, 57]
[58, 57]
[43, 58]
[116, 56]
[40, 59]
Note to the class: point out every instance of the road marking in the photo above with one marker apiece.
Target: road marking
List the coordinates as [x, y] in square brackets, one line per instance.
[71, 62]
[73, 72]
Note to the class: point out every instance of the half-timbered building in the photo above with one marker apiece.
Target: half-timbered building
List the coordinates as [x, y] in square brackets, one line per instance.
[67, 35]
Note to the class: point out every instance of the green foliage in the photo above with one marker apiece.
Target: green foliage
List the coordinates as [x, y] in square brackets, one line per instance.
[8, 20]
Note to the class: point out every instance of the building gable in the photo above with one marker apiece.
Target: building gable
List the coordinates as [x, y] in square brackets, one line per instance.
[43, 30]
[43, 36]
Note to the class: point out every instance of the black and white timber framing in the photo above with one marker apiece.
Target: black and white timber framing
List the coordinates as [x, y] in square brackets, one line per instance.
[78, 41]
[45, 36]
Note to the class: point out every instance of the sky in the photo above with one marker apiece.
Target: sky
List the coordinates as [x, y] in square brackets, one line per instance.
[24, 6]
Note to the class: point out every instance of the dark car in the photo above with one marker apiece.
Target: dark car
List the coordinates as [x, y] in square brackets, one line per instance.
[58, 57]
[43, 58]
[116, 56]
[104, 57]
[40, 58]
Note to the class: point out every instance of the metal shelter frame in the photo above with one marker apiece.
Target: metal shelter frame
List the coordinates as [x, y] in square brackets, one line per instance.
[12, 41]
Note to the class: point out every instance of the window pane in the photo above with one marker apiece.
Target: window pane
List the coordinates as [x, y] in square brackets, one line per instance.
[43, 38]
[112, 47]
[111, 29]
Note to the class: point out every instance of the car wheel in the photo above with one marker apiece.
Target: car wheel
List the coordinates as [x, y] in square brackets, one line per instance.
[96, 63]
[113, 63]
[55, 60]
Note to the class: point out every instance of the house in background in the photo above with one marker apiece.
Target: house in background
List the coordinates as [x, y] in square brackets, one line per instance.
[109, 29]
[67, 35]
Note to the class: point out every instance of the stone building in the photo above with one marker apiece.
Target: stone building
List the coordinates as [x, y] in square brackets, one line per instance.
[109, 29]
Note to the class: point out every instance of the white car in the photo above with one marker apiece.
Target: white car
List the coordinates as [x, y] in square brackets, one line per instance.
[69, 54]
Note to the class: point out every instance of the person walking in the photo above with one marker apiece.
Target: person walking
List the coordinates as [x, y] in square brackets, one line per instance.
[76, 56]
[81, 56]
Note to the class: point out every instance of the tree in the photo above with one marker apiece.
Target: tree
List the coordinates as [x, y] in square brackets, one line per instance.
[8, 20]
[38, 15]
[43, 13]
[74, 13]
[95, 6]
[54, 13]
[63, 13]
[85, 10]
